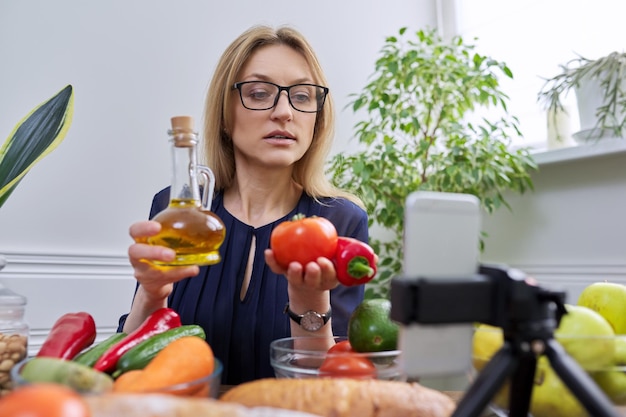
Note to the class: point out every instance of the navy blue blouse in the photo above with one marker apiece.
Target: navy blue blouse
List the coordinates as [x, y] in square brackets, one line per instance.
[240, 331]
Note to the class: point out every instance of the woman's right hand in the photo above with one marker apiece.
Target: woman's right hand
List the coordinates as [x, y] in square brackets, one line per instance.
[156, 281]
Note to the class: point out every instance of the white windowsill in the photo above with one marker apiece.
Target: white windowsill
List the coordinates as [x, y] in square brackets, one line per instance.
[592, 150]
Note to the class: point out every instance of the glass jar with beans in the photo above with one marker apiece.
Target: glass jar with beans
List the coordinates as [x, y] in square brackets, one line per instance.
[13, 335]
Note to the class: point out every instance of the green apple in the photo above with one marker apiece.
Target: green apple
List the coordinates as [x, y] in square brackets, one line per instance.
[550, 396]
[619, 358]
[587, 337]
[613, 383]
[613, 379]
[608, 299]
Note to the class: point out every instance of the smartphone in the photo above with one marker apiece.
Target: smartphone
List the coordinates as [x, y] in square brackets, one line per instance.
[441, 241]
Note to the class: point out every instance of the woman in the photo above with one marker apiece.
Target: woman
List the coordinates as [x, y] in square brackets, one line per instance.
[268, 128]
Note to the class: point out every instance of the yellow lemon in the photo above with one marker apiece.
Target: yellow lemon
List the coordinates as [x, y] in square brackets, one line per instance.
[486, 342]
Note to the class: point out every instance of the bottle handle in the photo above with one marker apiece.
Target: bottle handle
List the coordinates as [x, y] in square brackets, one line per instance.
[209, 186]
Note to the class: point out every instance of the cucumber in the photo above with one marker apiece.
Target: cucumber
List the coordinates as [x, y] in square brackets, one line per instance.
[141, 354]
[75, 375]
[90, 356]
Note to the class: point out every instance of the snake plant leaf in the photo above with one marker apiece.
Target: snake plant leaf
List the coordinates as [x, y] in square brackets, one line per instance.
[35, 136]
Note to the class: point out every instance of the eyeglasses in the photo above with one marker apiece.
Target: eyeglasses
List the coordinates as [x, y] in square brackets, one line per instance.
[263, 95]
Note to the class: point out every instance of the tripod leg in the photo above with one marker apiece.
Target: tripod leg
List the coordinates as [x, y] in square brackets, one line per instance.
[580, 384]
[522, 385]
[487, 383]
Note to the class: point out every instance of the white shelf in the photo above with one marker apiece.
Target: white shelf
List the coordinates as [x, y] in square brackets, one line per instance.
[596, 149]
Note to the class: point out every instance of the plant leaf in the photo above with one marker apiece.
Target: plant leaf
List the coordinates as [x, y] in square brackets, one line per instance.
[5, 194]
[35, 136]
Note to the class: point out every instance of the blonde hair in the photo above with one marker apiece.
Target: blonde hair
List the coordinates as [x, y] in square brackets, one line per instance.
[309, 171]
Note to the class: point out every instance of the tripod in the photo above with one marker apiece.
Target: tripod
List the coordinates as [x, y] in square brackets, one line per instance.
[518, 359]
[528, 315]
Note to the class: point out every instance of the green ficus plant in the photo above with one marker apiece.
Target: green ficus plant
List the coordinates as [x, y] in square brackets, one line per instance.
[421, 132]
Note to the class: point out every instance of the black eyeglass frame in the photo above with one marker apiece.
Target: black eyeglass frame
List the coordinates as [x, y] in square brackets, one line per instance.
[320, 102]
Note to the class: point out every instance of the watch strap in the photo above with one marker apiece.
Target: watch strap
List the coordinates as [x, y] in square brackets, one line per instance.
[297, 318]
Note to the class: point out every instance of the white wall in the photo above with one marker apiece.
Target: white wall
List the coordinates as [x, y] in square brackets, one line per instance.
[134, 64]
[570, 231]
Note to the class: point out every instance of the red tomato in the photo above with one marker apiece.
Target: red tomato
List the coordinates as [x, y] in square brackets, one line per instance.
[341, 347]
[303, 240]
[347, 366]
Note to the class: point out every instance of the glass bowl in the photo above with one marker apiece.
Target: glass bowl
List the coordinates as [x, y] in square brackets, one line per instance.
[208, 387]
[302, 357]
[551, 397]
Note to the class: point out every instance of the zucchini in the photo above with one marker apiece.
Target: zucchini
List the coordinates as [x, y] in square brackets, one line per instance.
[90, 356]
[77, 376]
[141, 354]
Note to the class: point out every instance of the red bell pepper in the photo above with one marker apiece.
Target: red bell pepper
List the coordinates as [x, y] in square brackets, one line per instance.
[70, 334]
[159, 321]
[355, 262]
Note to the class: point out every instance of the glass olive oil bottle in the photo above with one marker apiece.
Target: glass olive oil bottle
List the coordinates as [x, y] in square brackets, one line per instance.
[188, 225]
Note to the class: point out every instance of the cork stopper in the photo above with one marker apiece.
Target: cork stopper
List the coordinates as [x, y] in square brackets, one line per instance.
[182, 131]
[182, 123]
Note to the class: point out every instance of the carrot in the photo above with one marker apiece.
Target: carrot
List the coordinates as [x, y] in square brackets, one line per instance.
[127, 379]
[183, 360]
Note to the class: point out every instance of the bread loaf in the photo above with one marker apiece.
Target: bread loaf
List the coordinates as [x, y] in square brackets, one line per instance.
[333, 397]
[162, 405]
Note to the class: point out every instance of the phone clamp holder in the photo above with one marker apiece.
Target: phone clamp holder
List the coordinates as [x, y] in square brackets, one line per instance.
[528, 315]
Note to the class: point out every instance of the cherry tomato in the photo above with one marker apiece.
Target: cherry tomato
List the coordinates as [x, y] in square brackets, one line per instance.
[303, 239]
[341, 347]
[347, 366]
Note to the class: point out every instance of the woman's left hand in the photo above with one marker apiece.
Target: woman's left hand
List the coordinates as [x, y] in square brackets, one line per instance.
[316, 276]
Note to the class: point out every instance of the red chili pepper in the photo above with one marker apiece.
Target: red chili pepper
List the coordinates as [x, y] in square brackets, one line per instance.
[159, 321]
[70, 334]
[355, 262]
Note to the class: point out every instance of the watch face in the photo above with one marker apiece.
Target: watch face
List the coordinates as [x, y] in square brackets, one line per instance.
[311, 321]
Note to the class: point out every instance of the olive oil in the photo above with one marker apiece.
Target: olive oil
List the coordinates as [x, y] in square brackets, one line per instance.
[194, 234]
[188, 225]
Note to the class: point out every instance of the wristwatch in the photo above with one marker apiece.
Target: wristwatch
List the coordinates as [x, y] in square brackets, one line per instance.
[311, 321]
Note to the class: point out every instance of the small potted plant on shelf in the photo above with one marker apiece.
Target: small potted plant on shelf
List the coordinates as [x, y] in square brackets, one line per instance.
[419, 134]
[600, 92]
